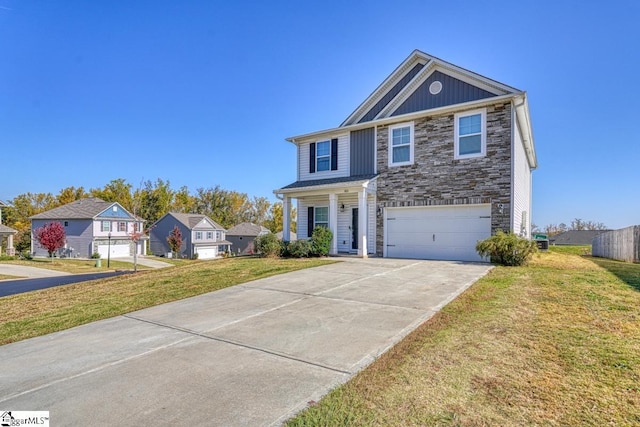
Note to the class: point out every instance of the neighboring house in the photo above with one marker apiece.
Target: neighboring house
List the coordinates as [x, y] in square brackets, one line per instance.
[92, 226]
[435, 159]
[243, 237]
[575, 237]
[200, 235]
[6, 233]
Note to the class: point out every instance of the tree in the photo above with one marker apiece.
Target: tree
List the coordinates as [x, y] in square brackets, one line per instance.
[260, 211]
[51, 237]
[70, 194]
[118, 190]
[175, 240]
[153, 200]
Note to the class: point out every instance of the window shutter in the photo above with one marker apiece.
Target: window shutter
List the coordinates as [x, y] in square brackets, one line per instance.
[312, 157]
[334, 154]
[310, 221]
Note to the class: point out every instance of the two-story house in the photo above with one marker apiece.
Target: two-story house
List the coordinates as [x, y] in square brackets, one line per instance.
[200, 235]
[434, 160]
[91, 226]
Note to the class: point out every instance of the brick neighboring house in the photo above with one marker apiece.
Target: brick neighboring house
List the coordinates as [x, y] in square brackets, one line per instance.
[435, 159]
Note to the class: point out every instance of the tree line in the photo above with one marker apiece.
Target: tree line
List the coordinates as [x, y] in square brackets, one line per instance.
[576, 224]
[150, 201]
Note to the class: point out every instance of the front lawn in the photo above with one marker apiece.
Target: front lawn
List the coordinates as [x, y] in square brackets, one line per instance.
[54, 309]
[553, 344]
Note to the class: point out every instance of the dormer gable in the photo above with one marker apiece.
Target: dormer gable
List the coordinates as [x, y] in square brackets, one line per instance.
[423, 82]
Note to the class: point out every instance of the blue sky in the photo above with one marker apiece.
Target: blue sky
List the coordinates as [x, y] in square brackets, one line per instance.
[203, 93]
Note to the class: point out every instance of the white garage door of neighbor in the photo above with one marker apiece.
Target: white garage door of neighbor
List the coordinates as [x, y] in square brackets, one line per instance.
[116, 251]
[437, 232]
[207, 252]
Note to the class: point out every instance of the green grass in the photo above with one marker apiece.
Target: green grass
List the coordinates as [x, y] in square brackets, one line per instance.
[49, 310]
[7, 277]
[556, 343]
[74, 266]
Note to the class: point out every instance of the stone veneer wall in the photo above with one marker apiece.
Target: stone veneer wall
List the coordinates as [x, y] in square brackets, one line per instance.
[435, 178]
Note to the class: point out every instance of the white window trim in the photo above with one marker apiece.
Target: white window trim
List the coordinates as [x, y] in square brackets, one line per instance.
[315, 210]
[327, 156]
[411, 144]
[102, 226]
[198, 235]
[483, 134]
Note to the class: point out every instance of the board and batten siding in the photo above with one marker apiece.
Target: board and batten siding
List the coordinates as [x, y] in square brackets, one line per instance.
[521, 186]
[453, 92]
[343, 160]
[363, 151]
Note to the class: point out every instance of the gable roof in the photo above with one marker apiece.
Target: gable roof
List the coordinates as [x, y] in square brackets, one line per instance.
[88, 208]
[7, 230]
[405, 95]
[247, 229]
[575, 237]
[191, 221]
[410, 74]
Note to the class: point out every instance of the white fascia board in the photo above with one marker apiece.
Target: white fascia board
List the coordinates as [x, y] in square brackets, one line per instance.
[524, 124]
[382, 89]
[401, 118]
[314, 190]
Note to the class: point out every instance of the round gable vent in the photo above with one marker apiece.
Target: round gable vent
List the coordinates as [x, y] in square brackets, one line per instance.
[435, 88]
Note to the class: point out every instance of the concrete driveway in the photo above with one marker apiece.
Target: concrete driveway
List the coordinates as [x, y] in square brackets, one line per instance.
[28, 272]
[253, 354]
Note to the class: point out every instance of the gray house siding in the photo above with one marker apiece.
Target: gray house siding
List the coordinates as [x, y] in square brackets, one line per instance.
[373, 112]
[242, 244]
[362, 148]
[158, 237]
[80, 237]
[78, 233]
[453, 91]
[436, 178]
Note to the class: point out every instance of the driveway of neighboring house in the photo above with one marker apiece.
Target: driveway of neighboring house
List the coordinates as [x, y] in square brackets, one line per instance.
[28, 272]
[252, 354]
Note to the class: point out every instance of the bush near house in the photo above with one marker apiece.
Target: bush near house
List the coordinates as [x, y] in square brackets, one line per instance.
[268, 245]
[298, 249]
[321, 241]
[507, 249]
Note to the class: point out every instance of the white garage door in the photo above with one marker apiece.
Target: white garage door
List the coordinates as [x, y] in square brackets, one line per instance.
[116, 251]
[207, 252]
[437, 232]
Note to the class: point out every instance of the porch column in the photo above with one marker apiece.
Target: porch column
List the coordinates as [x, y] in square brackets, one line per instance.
[286, 219]
[362, 223]
[333, 222]
[10, 250]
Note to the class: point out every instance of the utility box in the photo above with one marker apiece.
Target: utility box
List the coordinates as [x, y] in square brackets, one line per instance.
[543, 244]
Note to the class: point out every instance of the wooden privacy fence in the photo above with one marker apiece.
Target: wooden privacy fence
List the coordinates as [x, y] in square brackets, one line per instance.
[623, 244]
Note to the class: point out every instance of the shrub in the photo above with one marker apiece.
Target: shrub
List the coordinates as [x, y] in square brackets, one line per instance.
[321, 241]
[95, 255]
[507, 249]
[298, 249]
[268, 245]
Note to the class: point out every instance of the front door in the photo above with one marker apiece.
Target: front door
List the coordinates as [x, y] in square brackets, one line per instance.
[354, 229]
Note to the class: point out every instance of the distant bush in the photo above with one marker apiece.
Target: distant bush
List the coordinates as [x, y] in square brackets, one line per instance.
[268, 245]
[95, 255]
[298, 249]
[321, 241]
[7, 258]
[507, 249]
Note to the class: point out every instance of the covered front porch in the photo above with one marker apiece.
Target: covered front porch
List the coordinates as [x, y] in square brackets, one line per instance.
[346, 207]
[6, 234]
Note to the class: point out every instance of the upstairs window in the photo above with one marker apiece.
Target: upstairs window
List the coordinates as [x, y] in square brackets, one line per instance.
[198, 235]
[401, 144]
[106, 225]
[470, 134]
[122, 226]
[209, 235]
[323, 156]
